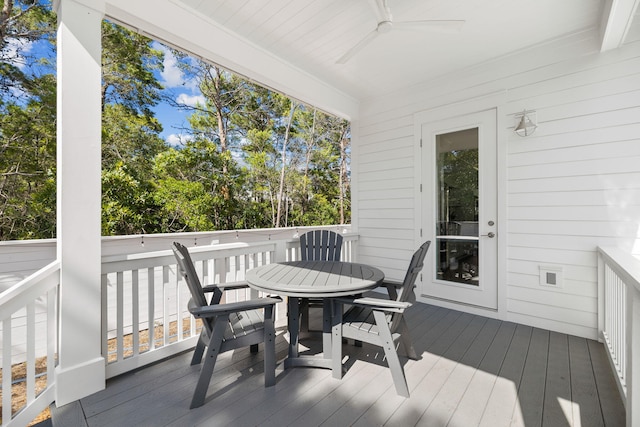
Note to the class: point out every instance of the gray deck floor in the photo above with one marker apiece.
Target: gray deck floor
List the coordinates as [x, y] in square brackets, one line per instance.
[473, 371]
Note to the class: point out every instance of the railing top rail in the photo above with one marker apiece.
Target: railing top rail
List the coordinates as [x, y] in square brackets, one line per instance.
[624, 264]
[236, 248]
[258, 232]
[29, 288]
[165, 257]
[239, 247]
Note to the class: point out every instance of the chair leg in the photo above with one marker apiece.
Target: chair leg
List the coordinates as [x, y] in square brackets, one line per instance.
[269, 348]
[213, 349]
[405, 337]
[199, 350]
[397, 372]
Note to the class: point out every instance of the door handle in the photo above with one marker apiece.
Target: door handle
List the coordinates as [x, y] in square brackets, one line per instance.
[490, 235]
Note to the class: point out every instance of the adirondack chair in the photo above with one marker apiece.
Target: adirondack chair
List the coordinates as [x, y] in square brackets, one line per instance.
[226, 326]
[317, 245]
[380, 322]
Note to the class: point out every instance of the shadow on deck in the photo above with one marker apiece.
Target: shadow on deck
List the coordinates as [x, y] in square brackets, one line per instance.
[472, 371]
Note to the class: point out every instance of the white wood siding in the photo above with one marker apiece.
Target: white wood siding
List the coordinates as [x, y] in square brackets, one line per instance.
[571, 186]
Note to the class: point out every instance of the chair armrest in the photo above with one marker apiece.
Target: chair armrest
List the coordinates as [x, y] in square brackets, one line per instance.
[391, 283]
[376, 304]
[233, 307]
[392, 288]
[225, 286]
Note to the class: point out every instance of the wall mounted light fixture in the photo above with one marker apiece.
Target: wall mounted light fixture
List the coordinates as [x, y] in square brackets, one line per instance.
[525, 126]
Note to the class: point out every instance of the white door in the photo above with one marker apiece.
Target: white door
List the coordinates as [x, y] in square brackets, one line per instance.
[459, 209]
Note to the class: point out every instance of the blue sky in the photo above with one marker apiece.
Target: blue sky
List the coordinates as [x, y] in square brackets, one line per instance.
[183, 91]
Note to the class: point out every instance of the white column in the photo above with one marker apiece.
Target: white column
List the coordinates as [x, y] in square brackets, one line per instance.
[81, 369]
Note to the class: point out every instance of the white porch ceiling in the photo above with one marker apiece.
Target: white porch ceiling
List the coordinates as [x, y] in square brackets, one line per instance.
[309, 36]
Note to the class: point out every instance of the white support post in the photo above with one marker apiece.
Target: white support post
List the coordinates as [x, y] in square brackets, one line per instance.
[81, 368]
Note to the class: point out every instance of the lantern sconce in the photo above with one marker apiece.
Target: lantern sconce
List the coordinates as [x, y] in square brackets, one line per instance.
[526, 126]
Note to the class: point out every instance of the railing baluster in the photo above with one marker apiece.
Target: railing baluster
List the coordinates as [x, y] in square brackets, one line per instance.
[151, 301]
[52, 298]
[135, 311]
[6, 368]
[105, 315]
[119, 315]
[177, 304]
[165, 305]
[31, 352]
[623, 328]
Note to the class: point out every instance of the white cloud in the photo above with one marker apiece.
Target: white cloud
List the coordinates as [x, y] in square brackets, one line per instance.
[190, 100]
[176, 140]
[172, 76]
[15, 50]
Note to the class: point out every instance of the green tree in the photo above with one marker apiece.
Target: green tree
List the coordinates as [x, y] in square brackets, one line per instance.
[27, 122]
[130, 132]
[27, 164]
[253, 158]
[128, 62]
[23, 23]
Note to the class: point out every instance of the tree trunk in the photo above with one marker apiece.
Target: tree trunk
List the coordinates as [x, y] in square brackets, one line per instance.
[343, 172]
[284, 163]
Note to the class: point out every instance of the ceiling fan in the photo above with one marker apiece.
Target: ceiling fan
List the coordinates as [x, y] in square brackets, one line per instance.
[386, 24]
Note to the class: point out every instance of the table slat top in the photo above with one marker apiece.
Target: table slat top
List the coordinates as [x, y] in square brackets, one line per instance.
[315, 278]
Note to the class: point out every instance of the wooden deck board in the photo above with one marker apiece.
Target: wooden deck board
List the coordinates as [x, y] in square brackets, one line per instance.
[613, 411]
[445, 403]
[583, 385]
[446, 353]
[472, 371]
[478, 390]
[558, 410]
[503, 397]
[528, 409]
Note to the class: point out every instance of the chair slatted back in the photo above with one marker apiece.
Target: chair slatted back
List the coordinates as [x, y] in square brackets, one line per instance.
[188, 271]
[407, 292]
[320, 245]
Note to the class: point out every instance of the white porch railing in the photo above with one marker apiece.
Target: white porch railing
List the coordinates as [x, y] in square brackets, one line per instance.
[144, 313]
[619, 322]
[28, 386]
[29, 320]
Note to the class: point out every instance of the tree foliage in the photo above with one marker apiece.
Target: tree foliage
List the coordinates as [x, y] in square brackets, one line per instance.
[27, 123]
[250, 157]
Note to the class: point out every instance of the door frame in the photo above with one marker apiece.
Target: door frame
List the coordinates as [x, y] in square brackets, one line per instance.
[492, 101]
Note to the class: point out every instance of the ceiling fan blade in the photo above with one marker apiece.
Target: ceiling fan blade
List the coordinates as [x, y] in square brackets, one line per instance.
[355, 49]
[441, 26]
[381, 10]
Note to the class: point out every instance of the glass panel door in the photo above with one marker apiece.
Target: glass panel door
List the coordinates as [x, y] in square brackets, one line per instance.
[457, 206]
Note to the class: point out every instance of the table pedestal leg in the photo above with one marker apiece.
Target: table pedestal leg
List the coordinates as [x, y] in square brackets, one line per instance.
[327, 314]
[293, 323]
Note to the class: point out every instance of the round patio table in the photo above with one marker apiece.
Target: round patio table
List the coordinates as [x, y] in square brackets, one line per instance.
[312, 279]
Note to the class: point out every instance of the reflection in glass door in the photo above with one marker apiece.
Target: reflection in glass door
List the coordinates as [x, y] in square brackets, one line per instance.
[457, 210]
